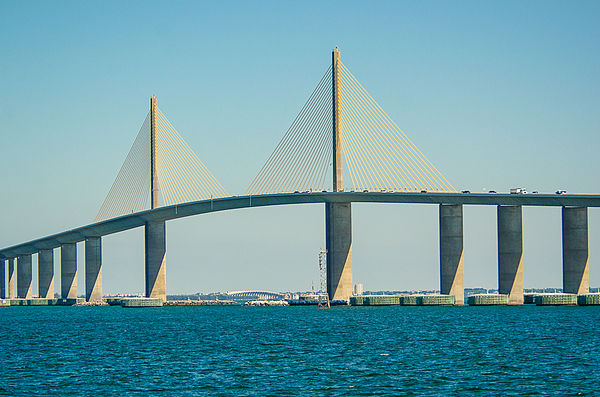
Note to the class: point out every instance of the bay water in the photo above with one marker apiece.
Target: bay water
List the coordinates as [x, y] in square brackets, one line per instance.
[289, 351]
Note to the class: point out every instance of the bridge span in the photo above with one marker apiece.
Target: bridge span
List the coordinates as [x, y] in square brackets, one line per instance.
[575, 266]
[139, 219]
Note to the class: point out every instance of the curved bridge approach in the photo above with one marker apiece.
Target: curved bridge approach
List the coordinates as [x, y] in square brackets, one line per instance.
[139, 219]
[575, 266]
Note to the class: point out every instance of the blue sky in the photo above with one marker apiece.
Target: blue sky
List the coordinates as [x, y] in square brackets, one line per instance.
[496, 94]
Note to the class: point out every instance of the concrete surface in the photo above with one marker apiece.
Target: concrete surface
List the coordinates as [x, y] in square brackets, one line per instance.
[46, 274]
[452, 274]
[155, 260]
[338, 235]
[11, 278]
[93, 269]
[68, 271]
[510, 253]
[24, 270]
[576, 273]
[2, 279]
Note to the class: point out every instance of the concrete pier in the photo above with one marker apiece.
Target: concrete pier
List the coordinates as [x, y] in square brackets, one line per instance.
[576, 275]
[24, 271]
[68, 271]
[155, 260]
[338, 235]
[452, 274]
[93, 269]
[2, 279]
[46, 273]
[11, 277]
[510, 253]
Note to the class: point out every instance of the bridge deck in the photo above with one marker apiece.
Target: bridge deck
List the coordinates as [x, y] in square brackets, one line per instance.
[138, 219]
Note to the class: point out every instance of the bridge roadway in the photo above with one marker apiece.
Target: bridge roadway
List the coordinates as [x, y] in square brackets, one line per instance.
[339, 230]
[139, 219]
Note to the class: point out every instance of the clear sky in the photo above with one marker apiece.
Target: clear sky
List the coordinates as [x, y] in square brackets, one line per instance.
[496, 94]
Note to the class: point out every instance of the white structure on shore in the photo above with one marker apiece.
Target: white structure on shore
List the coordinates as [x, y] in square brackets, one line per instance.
[358, 289]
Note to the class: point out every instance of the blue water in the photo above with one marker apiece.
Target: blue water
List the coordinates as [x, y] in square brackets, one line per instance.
[300, 351]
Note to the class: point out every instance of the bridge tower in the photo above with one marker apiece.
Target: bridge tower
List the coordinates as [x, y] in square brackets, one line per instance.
[338, 216]
[159, 162]
[153, 157]
[155, 231]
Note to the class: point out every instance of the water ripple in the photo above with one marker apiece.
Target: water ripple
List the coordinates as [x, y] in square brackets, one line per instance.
[349, 351]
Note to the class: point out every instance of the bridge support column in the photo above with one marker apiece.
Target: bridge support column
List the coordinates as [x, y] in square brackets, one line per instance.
[11, 278]
[155, 266]
[576, 275]
[46, 273]
[452, 275]
[68, 271]
[2, 279]
[510, 253]
[338, 235]
[24, 271]
[93, 269]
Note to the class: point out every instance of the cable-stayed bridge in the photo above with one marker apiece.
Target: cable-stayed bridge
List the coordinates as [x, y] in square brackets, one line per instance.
[341, 148]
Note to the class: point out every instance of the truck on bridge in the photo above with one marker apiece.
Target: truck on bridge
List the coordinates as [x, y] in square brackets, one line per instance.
[518, 190]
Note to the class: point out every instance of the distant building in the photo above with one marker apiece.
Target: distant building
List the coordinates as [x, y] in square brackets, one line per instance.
[358, 289]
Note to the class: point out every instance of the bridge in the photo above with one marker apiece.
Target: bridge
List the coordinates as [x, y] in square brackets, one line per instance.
[255, 295]
[340, 131]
